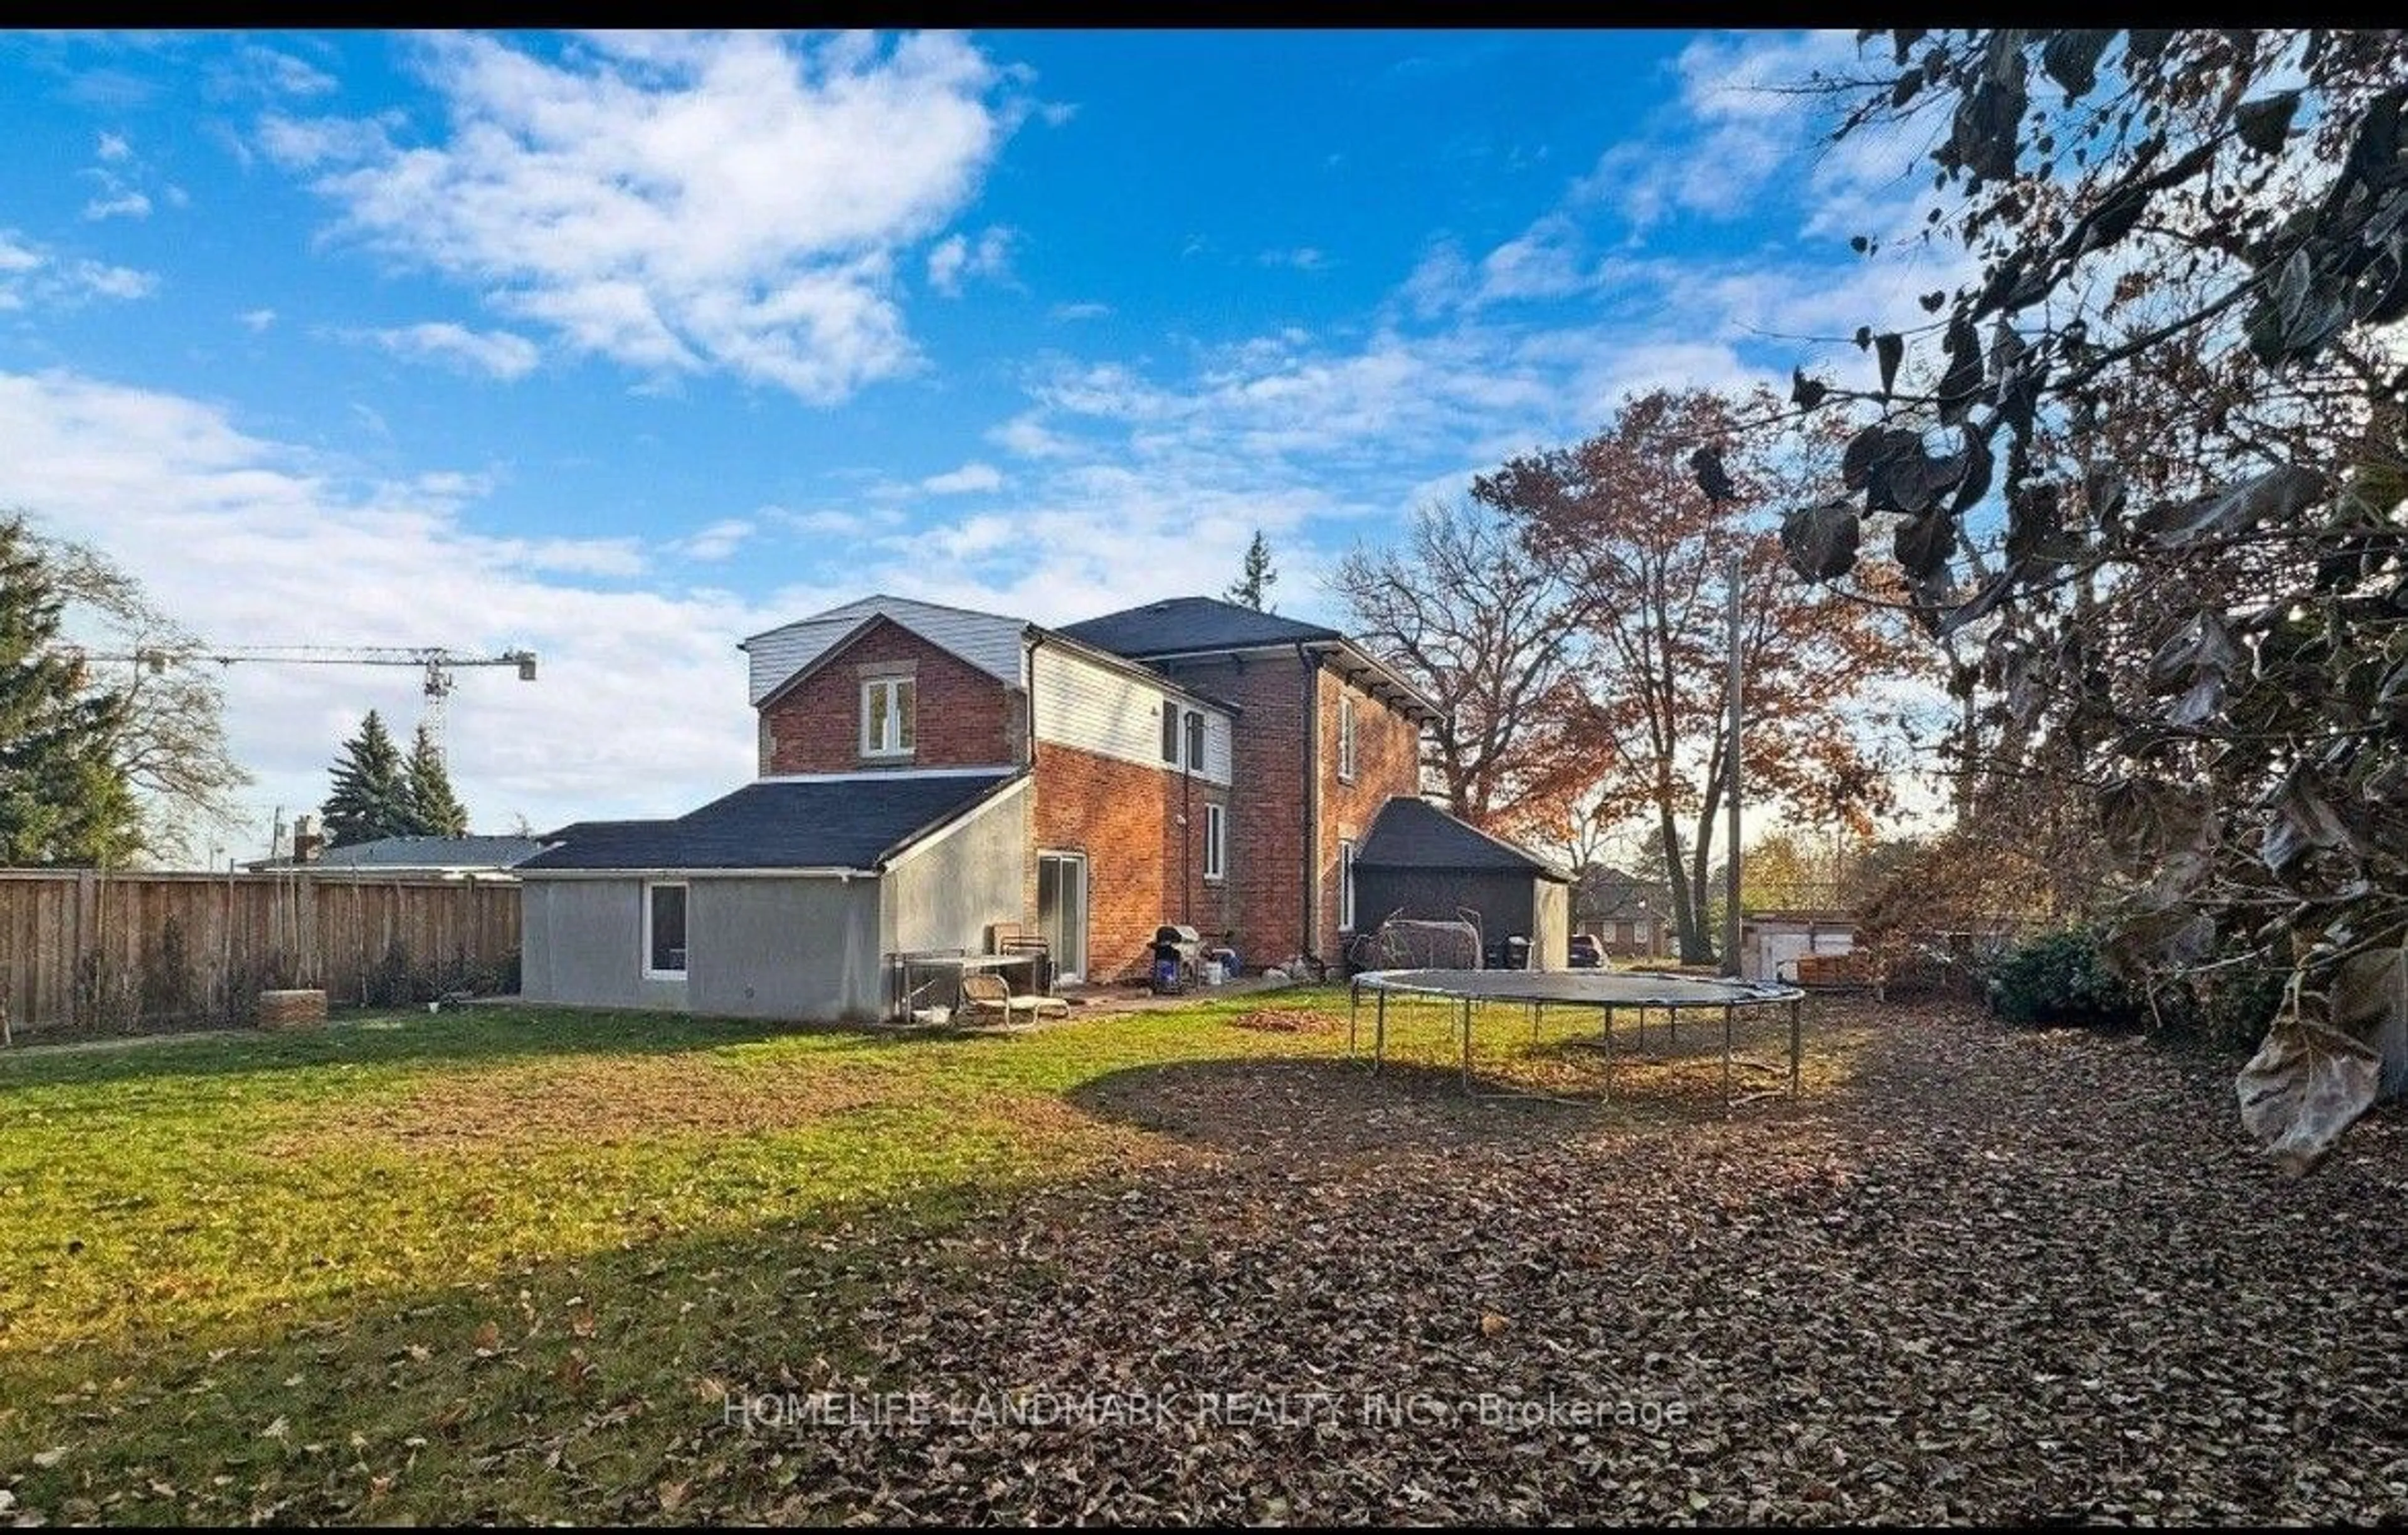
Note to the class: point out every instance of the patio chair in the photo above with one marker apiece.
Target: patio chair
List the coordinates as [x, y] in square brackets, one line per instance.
[986, 998]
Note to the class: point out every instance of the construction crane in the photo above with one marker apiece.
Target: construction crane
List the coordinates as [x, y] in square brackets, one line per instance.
[434, 664]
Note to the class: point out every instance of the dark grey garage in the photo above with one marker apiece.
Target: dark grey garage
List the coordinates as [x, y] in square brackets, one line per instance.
[1421, 863]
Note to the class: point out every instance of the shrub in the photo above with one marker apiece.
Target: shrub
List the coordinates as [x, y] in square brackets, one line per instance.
[2238, 1002]
[2061, 978]
[252, 974]
[169, 993]
[107, 996]
[388, 982]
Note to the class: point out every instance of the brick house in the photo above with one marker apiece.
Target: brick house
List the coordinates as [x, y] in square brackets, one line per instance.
[1630, 917]
[928, 773]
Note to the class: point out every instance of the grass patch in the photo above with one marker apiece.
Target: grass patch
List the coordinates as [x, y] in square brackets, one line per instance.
[504, 1263]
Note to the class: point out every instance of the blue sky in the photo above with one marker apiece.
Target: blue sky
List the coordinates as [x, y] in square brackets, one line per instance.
[624, 347]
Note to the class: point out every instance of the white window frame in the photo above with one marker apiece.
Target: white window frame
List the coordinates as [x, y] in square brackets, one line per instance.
[1346, 884]
[1216, 841]
[1192, 731]
[1171, 733]
[1345, 737]
[687, 901]
[893, 688]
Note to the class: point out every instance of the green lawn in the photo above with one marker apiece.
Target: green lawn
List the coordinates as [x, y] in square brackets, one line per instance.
[346, 1274]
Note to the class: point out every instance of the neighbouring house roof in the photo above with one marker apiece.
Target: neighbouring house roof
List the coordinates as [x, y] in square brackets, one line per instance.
[1607, 894]
[1416, 834]
[989, 641]
[849, 821]
[418, 852]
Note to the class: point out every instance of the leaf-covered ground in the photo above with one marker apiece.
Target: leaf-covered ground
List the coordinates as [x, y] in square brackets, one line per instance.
[1165, 1269]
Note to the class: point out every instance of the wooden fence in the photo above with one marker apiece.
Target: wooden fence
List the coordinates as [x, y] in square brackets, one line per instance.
[93, 951]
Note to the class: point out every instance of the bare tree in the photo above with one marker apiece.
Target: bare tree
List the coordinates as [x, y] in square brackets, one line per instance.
[173, 747]
[1470, 615]
[1648, 551]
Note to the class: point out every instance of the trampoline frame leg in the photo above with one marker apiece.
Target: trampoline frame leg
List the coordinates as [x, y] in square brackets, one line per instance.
[1731, 1015]
[1380, 1030]
[1608, 1055]
[1353, 1014]
[1797, 1054]
[1467, 1044]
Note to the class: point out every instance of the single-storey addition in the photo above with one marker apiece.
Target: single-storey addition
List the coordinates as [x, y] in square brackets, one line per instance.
[781, 899]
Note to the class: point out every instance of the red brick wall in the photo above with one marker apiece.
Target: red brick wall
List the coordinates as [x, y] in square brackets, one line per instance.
[1387, 763]
[1267, 793]
[963, 717]
[1124, 816]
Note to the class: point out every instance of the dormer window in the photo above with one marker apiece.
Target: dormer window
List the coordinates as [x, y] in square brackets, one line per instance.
[886, 708]
[1194, 741]
[1171, 731]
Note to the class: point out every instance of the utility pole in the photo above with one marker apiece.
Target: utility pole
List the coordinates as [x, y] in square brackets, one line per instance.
[1730, 884]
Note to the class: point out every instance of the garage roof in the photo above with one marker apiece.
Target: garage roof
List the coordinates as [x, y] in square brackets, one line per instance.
[1416, 834]
[849, 821]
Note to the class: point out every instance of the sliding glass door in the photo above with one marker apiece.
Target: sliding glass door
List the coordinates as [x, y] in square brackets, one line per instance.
[1062, 912]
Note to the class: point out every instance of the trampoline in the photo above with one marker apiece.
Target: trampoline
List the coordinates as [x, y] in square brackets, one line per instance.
[1608, 991]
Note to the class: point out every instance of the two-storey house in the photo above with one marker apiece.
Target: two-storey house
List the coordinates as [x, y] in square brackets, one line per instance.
[928, 774]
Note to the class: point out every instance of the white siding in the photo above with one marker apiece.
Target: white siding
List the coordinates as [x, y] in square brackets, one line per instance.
[1096, 709]
[988, 641]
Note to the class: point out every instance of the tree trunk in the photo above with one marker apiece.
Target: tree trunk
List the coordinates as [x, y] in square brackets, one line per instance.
[1687, 927]
[1698, 949]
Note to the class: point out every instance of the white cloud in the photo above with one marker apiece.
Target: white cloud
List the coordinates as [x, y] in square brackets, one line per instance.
[497, 354]
[1545, 260]
[1733, 127]
[1069, 313]
[117, 177]
[257, 319]
[1304, 258]
[127, 205]
[31, 274]
[968, 478]
[1027, 437]
[682, 204]
[639, 708]
[837, 522]
[956, 257]
[716, 541]
[255, 71]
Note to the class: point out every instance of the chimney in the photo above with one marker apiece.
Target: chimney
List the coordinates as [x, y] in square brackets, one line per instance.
[306, 840]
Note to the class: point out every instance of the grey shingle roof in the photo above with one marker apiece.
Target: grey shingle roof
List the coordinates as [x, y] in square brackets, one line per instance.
[1178, 624]
[430, 853]
[846, 823]
[1416, 834]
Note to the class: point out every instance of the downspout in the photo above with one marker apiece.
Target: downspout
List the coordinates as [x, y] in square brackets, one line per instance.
[1028, 757]
[1311, 664]
[1186, 831]
[1036, 790]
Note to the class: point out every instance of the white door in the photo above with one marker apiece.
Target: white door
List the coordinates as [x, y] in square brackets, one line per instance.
[1062, 912]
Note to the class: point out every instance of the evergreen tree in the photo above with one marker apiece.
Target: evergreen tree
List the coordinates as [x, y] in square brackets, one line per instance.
[63, 797]
[1253, 586]
[436, 810]
[371, 797]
